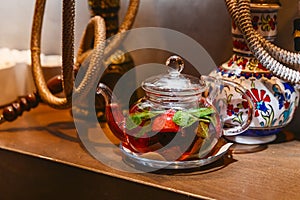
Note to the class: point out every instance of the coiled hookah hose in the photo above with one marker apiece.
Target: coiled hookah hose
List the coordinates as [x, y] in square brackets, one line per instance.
[95, 64]
[100, 51]
[268, 54]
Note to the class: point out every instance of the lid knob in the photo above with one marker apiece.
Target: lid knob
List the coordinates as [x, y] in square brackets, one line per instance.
[175, 64]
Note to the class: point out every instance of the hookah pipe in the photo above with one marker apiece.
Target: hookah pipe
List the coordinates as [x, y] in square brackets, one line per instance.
[97, 55]
[277, 60]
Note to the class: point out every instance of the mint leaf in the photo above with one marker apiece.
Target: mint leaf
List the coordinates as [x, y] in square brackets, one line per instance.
[184, 119]
[132, 122]
[201, 112]
[143, 115]
[136, 119]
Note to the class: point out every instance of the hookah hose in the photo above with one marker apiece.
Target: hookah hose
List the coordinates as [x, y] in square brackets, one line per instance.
[16, 109]
[267, 53]
[68, 51]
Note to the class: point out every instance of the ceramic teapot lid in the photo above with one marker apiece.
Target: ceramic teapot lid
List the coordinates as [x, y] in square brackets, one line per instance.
[174, 83]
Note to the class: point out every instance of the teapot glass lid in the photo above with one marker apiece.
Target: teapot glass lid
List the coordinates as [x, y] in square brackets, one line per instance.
[174, 83]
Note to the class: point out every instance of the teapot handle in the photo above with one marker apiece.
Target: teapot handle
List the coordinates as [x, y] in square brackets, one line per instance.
[235, 111]
[237, 114]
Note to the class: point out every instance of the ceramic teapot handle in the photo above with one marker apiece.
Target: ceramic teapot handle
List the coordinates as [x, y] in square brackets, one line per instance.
[233, 104]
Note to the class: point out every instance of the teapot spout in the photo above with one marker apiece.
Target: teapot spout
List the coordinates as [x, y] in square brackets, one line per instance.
[114, 116]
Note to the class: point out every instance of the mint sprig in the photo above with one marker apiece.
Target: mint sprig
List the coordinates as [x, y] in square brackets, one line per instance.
[181, 118]
[184, 119]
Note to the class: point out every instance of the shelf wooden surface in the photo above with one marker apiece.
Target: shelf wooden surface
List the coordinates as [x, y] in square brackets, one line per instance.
[272, 172]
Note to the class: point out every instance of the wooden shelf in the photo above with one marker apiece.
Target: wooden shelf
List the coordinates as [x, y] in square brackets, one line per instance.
[48, 136]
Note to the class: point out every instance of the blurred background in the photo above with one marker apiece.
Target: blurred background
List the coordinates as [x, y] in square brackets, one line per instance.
[206, 21]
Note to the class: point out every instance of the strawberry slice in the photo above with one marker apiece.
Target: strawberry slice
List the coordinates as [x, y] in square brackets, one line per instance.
[164, 122]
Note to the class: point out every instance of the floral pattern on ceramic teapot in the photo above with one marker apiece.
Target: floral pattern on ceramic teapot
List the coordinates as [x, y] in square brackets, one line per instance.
[275, 100]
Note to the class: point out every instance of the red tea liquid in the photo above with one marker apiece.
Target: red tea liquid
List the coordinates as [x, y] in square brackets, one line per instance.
[183, 143]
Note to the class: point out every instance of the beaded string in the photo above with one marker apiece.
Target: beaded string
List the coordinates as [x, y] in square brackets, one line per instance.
[16, 109]
[25, 103]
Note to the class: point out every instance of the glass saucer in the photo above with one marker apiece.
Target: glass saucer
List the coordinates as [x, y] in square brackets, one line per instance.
[161, 164]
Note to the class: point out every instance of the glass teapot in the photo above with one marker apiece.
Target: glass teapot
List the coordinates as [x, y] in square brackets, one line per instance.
[177, 118]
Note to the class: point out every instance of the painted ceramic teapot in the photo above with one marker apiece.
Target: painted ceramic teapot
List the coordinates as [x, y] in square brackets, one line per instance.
[275, 100]
[177, 118]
